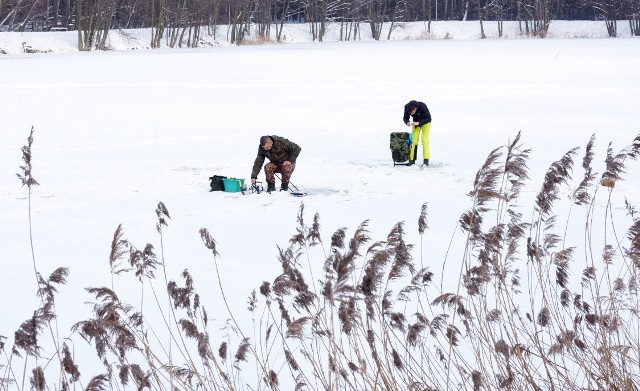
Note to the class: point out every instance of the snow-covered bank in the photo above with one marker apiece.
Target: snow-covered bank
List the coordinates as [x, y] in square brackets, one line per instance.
[16, 43]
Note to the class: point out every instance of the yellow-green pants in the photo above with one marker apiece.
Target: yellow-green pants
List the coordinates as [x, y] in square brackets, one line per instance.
[420, 131]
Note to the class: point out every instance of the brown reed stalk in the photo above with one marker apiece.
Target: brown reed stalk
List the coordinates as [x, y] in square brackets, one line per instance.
[291, 282]
[422, 227]
[69, 365]
[119, 248]
[378, 344]
[46, 290]
[37, 380]
[615, 164]
[26, 177]
[516, 171]
[558, 173]
[581, 194]
[284, 287]
[98, 383]
[162, 213]
[144, 263]
[301, 378]
[487, 187]
[401, 251]
[186, 298]
[210, 243]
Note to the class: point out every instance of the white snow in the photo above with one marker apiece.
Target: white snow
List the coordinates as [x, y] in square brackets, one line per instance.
[116, 132]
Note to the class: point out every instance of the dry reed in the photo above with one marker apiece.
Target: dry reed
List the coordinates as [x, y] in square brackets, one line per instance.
[532, 309]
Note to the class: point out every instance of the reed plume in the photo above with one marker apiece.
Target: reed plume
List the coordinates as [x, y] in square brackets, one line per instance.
[26, 171]
[581, 194]
[558, 173]
[37, 380]
[381, 323]
[615, 163]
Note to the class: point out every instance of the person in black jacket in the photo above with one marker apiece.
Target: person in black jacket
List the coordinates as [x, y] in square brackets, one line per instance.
[421, 126]
[282, 155]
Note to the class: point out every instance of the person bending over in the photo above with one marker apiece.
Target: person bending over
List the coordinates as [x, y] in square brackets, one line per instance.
[282, 155]
[421, 126]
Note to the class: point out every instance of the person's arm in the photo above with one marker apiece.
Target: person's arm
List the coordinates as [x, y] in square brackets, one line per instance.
[294, 150]
[257, 164]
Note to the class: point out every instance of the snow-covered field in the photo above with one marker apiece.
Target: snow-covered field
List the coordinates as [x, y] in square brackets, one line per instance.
[117, 132]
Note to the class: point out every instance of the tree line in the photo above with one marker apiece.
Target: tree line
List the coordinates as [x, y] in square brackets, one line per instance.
[180, 22]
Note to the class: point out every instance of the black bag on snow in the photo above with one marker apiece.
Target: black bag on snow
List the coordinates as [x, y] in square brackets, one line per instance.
[400, 145]
[216, 183]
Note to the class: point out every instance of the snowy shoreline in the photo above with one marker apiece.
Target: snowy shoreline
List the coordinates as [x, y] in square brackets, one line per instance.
[121, 40]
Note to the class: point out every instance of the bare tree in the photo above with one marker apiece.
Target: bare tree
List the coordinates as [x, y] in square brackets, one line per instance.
[239, 12]
[467, 7]
[397, 14]
[482, 9]
[609, 11]
[14, 15]
[158, 21]
[212, 13]
[197, 19]
[128, 9]
[376, 12]
[1, 19]
[379, 12]
[538, 16]
[93, 21]
[498, 8]
[183, 22]
[105, 18]
[351, 16]
[316, 15]
[182, 18]
[426, 12]
[634, 24]
[62, 14]
[263, 18]
[54, 19]
[632, 11]
[280, 13]
[25, 15]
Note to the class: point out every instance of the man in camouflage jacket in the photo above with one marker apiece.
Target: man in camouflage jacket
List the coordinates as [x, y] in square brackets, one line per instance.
[282, 155]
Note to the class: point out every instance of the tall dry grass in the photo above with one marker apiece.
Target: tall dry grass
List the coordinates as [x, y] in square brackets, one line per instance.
[535, 304]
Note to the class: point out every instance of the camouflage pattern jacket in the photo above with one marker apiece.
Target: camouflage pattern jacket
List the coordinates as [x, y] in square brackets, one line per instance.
[282, 150]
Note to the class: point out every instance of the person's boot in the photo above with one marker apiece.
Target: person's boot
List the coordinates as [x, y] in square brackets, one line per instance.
[284, 187]
[426, 162]
[271, 187]
[415, 153]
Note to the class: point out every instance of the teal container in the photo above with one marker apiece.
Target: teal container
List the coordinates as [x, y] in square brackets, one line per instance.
[233, 185]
